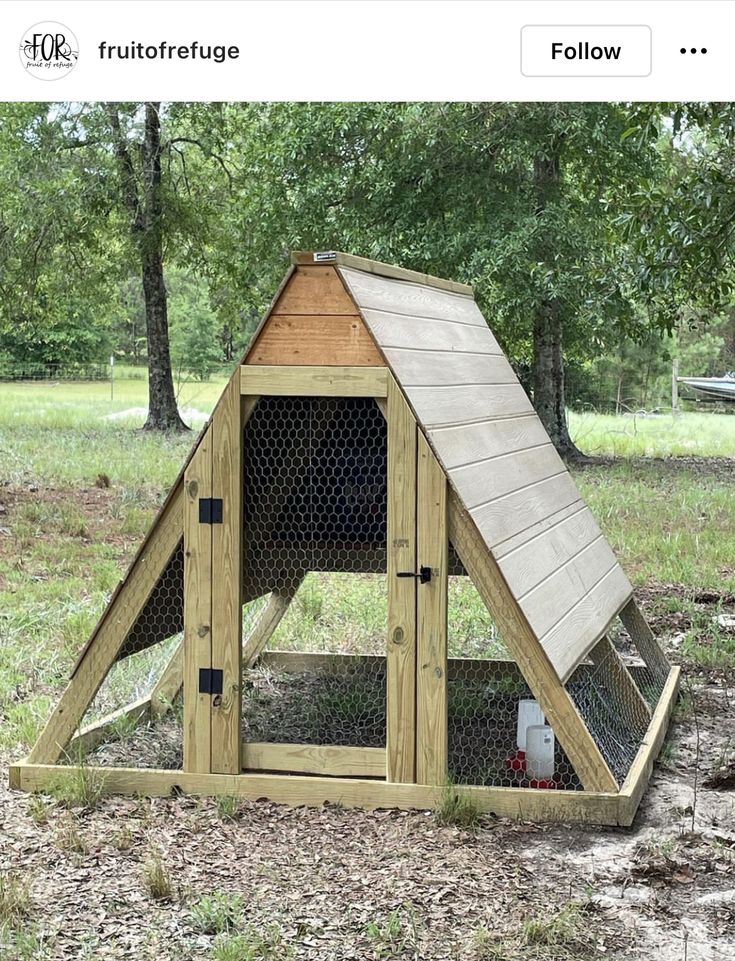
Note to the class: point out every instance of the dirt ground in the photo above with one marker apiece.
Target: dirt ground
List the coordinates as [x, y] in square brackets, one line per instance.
[664, 889]
[330, 878]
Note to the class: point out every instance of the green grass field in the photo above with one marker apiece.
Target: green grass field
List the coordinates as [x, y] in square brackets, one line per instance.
[64, 541]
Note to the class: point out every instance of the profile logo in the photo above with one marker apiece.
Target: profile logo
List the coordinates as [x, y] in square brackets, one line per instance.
[49, 50]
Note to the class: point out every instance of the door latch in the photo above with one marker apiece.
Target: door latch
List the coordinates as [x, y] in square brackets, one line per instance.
[424, 574]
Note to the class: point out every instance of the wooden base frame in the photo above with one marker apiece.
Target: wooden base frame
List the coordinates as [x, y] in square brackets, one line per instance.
[603, 808]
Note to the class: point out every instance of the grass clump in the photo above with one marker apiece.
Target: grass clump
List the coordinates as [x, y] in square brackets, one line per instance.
[228, 807]
[217, 913]
[457, 809]
[157, 879]
[15, 899]
[69, 837]
[389, 938]
[25, 944]
[562, 935]
[252, 944]
[79, 787]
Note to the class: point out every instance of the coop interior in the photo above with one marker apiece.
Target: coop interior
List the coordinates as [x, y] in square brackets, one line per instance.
[315, 617]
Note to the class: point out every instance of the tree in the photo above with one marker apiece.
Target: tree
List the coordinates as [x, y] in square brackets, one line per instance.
[141, 191]
[516, 199]
[105, 189]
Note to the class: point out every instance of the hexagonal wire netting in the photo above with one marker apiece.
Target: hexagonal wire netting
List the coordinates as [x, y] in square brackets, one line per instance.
[315, 540]
[315, 617]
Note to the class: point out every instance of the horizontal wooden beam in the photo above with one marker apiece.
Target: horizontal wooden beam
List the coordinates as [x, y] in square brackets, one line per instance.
[642, 766]
[307, 662]
[294, 381]
[295, 790]
[332, 258]
[93, 734]
[327, 760]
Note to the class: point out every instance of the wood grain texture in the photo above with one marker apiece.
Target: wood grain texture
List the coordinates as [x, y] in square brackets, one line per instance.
[332, 340]
[197, 722]
[121, 614]
[483, 483]
[295, 381]
[403, 297]
[446, 368]
[401, 647]
[518, 803]
[431, 551]
[325, 760]
[442, 406]
[524, 647]
[399, 331]
[268, 620]
[169, 683]
[536, 559]
[314, 290]
[556, 595]
[467, 443]
[227, 579]
[642, 636]
[571, 638]
[510, 515]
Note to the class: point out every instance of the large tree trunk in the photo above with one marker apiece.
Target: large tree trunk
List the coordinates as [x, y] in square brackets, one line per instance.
[548, 356]
[144, 200]
[163, 413]
[548, 376]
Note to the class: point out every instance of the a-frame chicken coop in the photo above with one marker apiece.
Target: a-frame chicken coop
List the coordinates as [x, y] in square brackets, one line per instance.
[375, 440]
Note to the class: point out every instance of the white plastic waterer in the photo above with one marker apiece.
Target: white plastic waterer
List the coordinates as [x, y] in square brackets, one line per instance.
[540, 753]
[529, 713]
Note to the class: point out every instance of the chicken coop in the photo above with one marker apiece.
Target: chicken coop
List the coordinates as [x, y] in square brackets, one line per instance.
[373, 582]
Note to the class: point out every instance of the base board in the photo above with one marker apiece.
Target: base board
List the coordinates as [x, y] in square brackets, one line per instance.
[523, 803]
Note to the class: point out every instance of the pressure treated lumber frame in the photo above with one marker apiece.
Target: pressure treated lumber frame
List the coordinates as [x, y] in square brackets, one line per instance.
[594, 807]
[341, 326]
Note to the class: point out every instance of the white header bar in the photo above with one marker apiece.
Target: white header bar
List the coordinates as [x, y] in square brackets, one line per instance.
[364, 50]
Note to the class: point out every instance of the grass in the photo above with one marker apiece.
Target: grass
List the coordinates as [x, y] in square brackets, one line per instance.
[218, 913]
[15, 899]
[79, 787]
[562, 935]
[157, 879]
[663, 435]
[252, 944]
[457, 810]
[63, 556]
[394, 937]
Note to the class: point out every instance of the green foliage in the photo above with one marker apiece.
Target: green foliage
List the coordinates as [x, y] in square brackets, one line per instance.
[218, 913]
[252, 944]
[457, 809]
[196, 332]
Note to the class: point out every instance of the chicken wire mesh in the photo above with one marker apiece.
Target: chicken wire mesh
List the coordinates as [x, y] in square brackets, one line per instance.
[315, 538]
[146, 652]
[484, 697]
[612, 706]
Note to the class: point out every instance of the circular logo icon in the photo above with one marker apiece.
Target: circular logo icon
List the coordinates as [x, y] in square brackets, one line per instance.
[49, 50]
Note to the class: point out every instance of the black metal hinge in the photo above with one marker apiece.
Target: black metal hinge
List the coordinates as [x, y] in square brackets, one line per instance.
[210, 680]
[210, 510]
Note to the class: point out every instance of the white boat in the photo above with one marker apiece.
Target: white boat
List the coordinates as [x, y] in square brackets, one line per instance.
[715, 388]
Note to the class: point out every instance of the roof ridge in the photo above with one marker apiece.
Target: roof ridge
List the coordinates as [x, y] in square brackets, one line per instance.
[337, 258]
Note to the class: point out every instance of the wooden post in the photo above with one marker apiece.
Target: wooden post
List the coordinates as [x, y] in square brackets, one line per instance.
[227, 579]
[197, 610]
[401, 646]
[432, 551]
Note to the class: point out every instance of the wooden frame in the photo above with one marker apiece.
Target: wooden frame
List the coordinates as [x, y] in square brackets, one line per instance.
[292, 381]
[397, 341]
